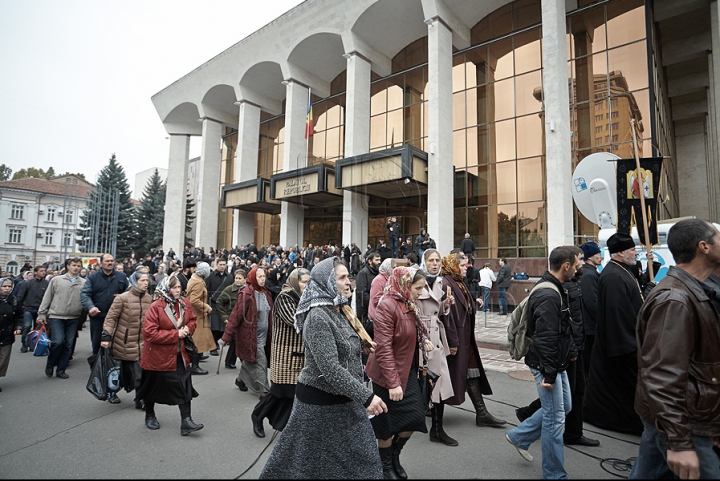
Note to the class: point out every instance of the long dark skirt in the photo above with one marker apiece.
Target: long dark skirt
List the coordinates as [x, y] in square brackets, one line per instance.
[130, 375]
[167, 387]
[277, 405]
[408, 414]
[333, 441]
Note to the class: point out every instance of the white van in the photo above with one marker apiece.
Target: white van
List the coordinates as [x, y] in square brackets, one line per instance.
[660, 252]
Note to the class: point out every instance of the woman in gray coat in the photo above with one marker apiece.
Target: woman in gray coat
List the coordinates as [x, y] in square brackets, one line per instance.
[329, 435]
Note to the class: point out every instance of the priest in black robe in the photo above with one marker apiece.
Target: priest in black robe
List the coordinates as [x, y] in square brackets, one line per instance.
[610, 392]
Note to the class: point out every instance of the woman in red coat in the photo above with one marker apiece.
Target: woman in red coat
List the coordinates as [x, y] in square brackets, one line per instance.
[166, 375]
[249, 323]
[393, 367]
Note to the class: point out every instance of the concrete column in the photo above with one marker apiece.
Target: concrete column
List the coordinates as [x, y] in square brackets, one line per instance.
[557, 125]
[246, 168]
[713, 175]
[357, 141]
[440, 139]
[208, 185]
[292, 216]
[176, 193]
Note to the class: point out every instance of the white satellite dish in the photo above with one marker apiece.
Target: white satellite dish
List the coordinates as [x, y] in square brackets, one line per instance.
[594, 189]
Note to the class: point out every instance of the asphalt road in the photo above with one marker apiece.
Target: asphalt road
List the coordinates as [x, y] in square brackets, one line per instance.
[53, 428]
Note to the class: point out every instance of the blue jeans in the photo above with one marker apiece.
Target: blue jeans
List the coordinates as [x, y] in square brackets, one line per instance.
[62, 335]
[394, 246]
[548, 423]
[29, 317]
[651, 462]
[486, 299]
[502, 300]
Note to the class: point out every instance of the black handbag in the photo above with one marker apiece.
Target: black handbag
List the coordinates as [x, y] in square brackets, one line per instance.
[190, 346]
[428, 380]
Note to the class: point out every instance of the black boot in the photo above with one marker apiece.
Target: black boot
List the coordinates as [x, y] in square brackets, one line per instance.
[188, 426]
[151, 421]
[386, 455]
[437, 434]
[482, 416]
[258, 428]
[195, 368]
[398, 444]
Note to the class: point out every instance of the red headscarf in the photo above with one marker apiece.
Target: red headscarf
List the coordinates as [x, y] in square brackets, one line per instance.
[252, 279]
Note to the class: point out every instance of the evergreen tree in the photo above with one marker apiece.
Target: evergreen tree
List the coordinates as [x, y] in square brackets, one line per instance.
[150, 216]
[110, 181]
[189, 218]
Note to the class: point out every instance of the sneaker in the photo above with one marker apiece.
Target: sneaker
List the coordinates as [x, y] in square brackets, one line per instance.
[24, 348]
[523, 452]
[113, 399]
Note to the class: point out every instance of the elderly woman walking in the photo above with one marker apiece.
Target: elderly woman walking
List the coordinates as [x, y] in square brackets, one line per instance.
[198, 296]
[166, 377]
[249, 324]
[464, 363]
[287, 358]
[329, 435]
[225, 305]
[123, 329]
[393, 367]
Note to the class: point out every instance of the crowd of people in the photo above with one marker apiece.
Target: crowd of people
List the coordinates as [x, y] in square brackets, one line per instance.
[609, 348]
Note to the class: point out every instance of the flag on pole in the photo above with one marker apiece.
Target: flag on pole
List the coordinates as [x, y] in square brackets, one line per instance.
[309, 122]
[631, 184]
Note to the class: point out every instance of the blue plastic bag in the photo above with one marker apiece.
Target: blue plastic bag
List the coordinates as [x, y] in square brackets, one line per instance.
[38, 342]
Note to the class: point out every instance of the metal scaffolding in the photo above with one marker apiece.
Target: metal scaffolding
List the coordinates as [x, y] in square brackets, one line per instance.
[103, 222]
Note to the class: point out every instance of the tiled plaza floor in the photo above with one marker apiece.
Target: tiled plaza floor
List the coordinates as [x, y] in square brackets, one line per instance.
[491, 337]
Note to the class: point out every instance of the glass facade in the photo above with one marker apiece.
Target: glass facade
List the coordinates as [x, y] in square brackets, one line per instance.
[327, 144]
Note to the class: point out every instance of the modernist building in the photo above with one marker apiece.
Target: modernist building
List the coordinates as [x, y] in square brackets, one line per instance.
[455, 115]
[39, 219]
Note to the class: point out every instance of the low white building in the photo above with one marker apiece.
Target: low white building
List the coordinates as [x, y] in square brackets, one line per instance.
[39, 219]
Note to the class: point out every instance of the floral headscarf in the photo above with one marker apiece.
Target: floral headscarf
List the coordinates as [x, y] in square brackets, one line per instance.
[162, 291]
[252, 279]
[321, 290]
[398, 287]
[451, 267]
[386, 266]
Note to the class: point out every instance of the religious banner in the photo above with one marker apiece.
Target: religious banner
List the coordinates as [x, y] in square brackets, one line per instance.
[631, 184]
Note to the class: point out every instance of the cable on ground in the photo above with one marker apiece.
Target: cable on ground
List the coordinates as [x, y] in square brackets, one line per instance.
[259, 455]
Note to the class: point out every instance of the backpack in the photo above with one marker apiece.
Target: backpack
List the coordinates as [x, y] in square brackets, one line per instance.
[518, 343]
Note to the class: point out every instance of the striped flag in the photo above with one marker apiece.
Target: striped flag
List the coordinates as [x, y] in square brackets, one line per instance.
[309, 122]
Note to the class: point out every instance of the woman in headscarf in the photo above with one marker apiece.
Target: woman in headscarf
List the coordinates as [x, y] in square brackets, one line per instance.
[464, 363]
[329, 435]
[377, 286]
[197, 295]
[287, 357]
[393, 367]
[225, 304]
[249, 324]
[123, 329]
[431, 306]
[166, 377]
[11, 322]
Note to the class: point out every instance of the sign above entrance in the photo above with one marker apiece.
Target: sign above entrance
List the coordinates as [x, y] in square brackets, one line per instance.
[389, 174]
[252, 195]
[312, 186]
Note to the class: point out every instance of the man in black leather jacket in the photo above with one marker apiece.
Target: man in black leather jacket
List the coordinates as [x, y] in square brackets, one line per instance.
[550, 353]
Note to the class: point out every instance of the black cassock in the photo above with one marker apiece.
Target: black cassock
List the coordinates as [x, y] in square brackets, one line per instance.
[610, 393]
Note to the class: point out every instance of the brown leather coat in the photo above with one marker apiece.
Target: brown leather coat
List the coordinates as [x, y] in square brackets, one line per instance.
[678, 335]
[127, 310]
[397, 345]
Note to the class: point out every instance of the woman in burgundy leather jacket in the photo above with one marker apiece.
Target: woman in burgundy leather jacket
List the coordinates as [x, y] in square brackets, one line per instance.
[166, 375]
[393, 367]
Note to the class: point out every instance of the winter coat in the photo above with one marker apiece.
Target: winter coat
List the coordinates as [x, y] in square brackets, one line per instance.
[215, 283]
[362, 290]
[226, 302]
[198, 298]
[242, 325]
[459, 325]
[100, 291]
[430, 306]
[161, 341]
[11, 320]
[576, 316]
[551, 331]
[504, 277]
[127, 312]
[62, 298]
[397, 345]
[589, 289]
[288, 352]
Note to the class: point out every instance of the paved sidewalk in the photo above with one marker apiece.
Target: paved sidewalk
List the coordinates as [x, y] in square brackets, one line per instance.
[491, 338]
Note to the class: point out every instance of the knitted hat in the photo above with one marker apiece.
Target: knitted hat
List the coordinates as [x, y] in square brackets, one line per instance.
[590, 249]
[620, 242]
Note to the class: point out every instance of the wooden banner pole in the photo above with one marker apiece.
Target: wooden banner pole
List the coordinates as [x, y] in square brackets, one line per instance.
[648, 246]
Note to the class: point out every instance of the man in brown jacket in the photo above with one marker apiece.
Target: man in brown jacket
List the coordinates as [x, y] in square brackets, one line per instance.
[678, 336]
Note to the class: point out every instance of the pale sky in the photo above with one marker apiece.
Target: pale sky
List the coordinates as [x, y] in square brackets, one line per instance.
[77, 75]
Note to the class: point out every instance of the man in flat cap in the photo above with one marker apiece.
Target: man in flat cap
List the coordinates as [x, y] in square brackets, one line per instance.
[610, 392]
